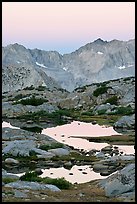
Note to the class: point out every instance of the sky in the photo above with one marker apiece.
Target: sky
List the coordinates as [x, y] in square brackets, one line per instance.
[66, 26]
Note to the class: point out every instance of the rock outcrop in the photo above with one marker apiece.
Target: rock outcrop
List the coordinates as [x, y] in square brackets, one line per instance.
[32, 186]
[127, 122]
[121, 182]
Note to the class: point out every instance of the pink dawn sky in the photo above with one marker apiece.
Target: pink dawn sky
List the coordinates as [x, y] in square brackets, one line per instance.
[66, 26]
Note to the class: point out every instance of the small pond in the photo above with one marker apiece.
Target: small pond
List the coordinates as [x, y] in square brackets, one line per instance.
[70, 134]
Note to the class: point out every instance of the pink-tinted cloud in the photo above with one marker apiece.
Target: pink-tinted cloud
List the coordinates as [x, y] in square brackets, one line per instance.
[61, 24]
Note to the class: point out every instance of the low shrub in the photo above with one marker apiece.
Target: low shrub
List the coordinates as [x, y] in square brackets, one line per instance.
[29, 88]
[113, 100]
[100, 90]
[123, 111]
[55, 117]
[51, 146]
[32, 153]
[41, 88]
[127, 78]
[88, 113]
[30, 176]
[59, 182]
[80, 89]
[32, 101]
[19, 96]
[9, 180]
[101, 112]
[33, 129]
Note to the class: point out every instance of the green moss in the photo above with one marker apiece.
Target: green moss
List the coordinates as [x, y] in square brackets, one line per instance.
[9, 180]
[115, 139]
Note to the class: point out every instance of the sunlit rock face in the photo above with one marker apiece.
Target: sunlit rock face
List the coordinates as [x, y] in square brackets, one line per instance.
[95, 62]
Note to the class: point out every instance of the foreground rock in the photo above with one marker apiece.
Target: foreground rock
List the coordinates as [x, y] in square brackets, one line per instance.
[18, 147]
[126, 122]
[121, 182]
[32, 186]
[18, 142]
[11, 161]
[59, 151]
[7, 175]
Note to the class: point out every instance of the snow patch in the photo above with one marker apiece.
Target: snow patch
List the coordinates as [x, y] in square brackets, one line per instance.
[18, 62]
[41, 65]
[131, 65]
[100, 53]
[65, 69]
[122, 67]
[74, 97]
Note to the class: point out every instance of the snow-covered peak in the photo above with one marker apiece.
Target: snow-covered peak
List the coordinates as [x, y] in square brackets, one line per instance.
[41, 65]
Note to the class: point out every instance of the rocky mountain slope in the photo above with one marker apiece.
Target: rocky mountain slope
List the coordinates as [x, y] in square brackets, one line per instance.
[95, 62]
[114, 97]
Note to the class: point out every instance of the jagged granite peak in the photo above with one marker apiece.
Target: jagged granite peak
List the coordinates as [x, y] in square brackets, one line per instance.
[99, 41]
[50, 59]
[94, 62]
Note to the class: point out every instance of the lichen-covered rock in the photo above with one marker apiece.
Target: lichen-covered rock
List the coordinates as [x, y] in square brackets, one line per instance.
[59, 151]
[43, 153]
[125, 122]
[7, 175]
[32, 186]
[19, 147]
[19, 194]
[120, 182]
[11, 161]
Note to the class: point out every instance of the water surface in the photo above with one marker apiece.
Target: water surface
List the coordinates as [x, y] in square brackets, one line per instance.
[63, 134]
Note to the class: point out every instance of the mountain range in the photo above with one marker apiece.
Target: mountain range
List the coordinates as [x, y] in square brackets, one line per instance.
[94, 62]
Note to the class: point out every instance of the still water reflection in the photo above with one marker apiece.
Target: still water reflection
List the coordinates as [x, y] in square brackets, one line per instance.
[63, 134]
[79, 174]
[66, 134]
